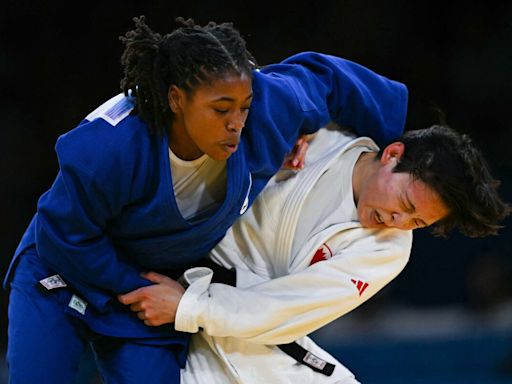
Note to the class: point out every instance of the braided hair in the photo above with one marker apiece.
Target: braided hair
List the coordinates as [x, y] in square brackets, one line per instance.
[190, 56]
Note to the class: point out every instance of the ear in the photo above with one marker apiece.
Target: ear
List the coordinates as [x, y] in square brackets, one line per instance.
[175, 97]
[392, 153]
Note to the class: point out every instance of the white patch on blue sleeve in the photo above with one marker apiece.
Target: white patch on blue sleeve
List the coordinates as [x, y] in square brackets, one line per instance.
[113, 110]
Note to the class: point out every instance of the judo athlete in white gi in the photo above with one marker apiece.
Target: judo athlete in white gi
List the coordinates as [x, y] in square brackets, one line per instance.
[315, 245]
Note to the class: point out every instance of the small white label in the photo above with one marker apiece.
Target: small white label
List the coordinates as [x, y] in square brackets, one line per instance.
[53, 282]
[314, 361]
[245, 205]
[78, 304]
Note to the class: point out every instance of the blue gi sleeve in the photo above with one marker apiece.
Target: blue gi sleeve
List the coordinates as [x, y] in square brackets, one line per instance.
[330, 88]
[71, 235]
[306, 92]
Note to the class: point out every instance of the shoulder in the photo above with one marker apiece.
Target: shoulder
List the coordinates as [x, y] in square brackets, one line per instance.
[285, 96]
[376, 246]
[113, 110]
[394, 244]
[307, 65]
[290, 81]
[301, 60]
[109, 128]
[110, 136]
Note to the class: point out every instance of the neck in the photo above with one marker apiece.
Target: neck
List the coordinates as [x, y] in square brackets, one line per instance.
[181, 144]
[363, 168]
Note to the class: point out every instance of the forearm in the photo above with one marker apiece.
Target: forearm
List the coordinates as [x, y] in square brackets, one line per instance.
[352, 95]
[286, 308]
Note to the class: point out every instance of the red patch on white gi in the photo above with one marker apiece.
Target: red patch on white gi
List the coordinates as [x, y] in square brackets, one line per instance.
[321, 254]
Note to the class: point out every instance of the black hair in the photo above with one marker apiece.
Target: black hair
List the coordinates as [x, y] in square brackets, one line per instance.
[450, 164]
[190, 56]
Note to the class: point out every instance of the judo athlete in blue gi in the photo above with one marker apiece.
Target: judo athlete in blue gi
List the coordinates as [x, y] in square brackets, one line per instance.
[152, 180]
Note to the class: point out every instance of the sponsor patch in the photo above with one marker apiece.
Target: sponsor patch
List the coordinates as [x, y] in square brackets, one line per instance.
[53, 282]
[78, 304]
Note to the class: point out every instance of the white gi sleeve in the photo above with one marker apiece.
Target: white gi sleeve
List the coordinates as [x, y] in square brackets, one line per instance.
[284, 309]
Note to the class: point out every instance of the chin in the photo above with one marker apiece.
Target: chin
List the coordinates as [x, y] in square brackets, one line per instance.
[366, 221]
[218, 155]
[221, 157]
[366, 224]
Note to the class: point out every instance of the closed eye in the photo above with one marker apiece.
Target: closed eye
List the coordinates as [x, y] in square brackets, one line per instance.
[407, 207]
[420, 224]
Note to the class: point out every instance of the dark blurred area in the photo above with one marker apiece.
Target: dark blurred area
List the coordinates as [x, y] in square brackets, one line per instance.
[58, 61]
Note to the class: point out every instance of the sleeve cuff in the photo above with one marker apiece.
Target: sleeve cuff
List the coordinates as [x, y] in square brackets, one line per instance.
[190, 308]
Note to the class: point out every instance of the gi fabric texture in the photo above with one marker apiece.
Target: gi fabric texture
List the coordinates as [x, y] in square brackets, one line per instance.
[285, 292]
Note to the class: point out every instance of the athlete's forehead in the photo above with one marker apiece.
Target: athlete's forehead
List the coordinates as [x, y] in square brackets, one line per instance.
[226, 89]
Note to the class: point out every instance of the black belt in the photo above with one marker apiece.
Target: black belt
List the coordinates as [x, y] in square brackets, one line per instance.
[300, 354]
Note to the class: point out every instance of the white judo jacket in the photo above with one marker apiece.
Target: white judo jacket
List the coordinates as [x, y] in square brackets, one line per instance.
[289, 286]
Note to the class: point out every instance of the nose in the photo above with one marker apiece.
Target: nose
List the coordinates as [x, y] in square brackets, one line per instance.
[236, 121]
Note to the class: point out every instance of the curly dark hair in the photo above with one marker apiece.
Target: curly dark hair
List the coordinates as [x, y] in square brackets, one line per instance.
[190, 56]
[451, 165]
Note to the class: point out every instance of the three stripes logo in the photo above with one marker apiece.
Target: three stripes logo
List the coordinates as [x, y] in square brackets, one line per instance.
[360, 285]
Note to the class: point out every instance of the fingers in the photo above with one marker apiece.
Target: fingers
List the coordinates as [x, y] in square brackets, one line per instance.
[157, 278]
[148, 320]
[131, 297]
[140, 293]
[156, 304]
[295, 153]
[166, 287]
[152, 323]
[296, 158]
[300, 154]
[145, 313]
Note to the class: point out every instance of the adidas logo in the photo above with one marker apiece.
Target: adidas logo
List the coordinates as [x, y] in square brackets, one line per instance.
[360, 285]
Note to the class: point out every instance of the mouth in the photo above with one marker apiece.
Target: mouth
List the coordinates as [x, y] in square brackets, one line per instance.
[230, 147]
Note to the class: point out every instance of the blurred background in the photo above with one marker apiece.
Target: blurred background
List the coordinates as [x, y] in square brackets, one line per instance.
[448, 317]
